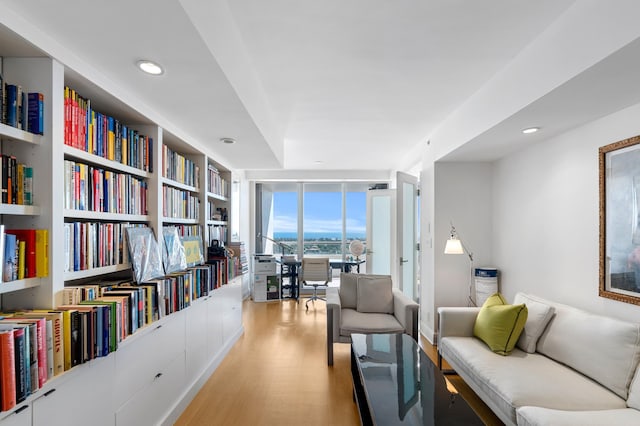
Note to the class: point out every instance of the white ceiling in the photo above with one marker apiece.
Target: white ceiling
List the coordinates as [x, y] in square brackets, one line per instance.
[331, 84]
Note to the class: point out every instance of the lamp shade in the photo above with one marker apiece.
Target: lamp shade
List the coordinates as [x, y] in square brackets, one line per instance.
[454, 246]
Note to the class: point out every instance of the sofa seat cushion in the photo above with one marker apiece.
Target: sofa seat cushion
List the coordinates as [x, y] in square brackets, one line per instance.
[523, 379]
[537, 416]
[368, 323]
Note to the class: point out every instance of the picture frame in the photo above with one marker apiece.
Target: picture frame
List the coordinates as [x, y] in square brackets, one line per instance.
[619, 208]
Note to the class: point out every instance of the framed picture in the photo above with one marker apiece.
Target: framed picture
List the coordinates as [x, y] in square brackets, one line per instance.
[619, 165]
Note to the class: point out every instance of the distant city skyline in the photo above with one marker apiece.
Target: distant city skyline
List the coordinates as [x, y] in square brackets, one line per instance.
[322, 214]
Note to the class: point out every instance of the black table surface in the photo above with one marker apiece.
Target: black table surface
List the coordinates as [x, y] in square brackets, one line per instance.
[403, 386]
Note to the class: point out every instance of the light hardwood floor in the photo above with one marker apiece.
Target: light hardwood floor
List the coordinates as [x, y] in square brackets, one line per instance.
[277, 374]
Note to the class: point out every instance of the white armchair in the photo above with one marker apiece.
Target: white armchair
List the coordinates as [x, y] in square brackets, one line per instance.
[367, 304]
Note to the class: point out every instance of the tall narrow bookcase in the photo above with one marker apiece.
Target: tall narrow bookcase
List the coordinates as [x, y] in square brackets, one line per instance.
[155, 372]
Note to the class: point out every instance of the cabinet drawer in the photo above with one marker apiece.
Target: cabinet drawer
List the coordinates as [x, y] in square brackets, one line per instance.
[20, 417]
[139, 361]
[156, 399]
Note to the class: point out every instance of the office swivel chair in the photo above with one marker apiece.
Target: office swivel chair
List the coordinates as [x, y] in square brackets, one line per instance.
[315, 272]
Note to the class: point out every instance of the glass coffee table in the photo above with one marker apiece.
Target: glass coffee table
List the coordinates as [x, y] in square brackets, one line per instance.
[396, 383]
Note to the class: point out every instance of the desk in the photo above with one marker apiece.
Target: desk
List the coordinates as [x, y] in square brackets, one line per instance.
[289, 270]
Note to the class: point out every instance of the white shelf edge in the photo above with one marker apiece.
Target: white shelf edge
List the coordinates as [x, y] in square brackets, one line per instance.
[217, 197]
[11, 286]
[88, 273]
[101, 161]
[119, 217]
[19, 209]
[19, 135]
[175, 184]
[217, 222]
[181, 221]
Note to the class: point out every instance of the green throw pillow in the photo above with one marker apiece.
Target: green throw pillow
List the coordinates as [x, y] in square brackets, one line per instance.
[499, 324]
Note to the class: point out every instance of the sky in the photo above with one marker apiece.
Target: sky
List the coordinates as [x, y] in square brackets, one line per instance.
[322, 212]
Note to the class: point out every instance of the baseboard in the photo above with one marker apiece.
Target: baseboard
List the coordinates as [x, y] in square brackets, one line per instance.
[190, 393]
[428, 333]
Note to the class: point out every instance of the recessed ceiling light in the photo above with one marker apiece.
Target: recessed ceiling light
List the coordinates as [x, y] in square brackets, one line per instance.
[530, 130]
[150, 67]
[228, 141]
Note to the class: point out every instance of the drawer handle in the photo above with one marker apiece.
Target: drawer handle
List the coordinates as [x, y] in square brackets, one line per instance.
[157, 376]
[158, 327]
[49, 392]
[21, 409]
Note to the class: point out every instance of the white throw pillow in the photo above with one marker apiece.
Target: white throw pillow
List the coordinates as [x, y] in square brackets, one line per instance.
[539, 316]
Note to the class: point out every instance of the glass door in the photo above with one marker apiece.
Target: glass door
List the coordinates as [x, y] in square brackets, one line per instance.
[407, 235]
[380, 241]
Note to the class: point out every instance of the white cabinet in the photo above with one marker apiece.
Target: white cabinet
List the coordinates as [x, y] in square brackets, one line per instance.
[158, 397]
[231, 310]
[20, 417]
[196, 338]
[82, 398]
[215, 339]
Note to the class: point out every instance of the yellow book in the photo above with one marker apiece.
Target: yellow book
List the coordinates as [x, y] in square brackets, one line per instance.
[42, 253]
[21, 259]
[20, 194]
[125, 148]
[111, 153]
[66, 328]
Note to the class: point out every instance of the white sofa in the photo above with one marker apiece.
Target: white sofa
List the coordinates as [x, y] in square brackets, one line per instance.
[581, 368]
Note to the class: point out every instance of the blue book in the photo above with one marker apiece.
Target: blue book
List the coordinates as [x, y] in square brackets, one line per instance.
[10, 268]
[36, 113]
[12, 105]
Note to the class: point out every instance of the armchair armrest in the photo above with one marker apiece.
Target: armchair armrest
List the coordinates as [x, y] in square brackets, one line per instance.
[456, 321]
[406, 312]
[334, 309]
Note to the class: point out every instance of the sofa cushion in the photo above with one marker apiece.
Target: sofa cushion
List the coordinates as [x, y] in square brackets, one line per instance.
[499, 324]
[538, 316]
[375, 295]
[603, 348]
[348, 290]
[537, 416]
[358, 322]
[521, 379]
[633, 400]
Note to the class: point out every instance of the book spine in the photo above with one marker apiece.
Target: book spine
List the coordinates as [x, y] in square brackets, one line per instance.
[8, 369]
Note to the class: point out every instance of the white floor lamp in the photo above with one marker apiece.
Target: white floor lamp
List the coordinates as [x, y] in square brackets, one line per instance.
[456, 246]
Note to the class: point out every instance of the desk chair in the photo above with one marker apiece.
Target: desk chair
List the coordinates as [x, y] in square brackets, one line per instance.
[318, 271]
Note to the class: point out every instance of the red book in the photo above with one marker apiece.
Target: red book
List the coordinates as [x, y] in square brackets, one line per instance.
[41, 331]
[7, 369]
[29, 237]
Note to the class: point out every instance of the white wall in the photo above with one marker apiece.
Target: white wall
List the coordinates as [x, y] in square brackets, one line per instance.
[546, 216]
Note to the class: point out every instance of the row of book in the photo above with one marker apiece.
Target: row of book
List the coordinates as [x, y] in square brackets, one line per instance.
[103, 135]
[219, 233]
[239, 258]
[94, 189]
[90, 245]
[177, 203]
[217, 184]
[216, 213]
[16, 180]
[25, 253]
[37, 345]
[179, 168]
[188, 230]
[21, 109]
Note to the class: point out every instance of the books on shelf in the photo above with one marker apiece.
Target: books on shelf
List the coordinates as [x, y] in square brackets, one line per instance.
[25, 253]
[180, 204]
[177, 167]
[89, 245]
[239, 258]
[102, 135]
[95, 189]
[217, 184]
[21, 109]
[218, 233]
[16, 180]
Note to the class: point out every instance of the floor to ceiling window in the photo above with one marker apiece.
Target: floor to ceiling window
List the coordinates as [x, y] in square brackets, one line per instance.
[310, 219]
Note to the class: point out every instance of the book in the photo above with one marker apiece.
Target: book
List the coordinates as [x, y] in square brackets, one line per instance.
[28, 186]
[42, 253]
[40, 341]
[10, 266]
[144, 253]
[21, 361]
[174, 258]
[29, 238]
[21, 259]
[12, 105]
[55, 359]
[36, 113]
[7, 370]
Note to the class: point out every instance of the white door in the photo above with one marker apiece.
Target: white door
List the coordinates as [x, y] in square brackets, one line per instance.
[407, 202]
[381, 232]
